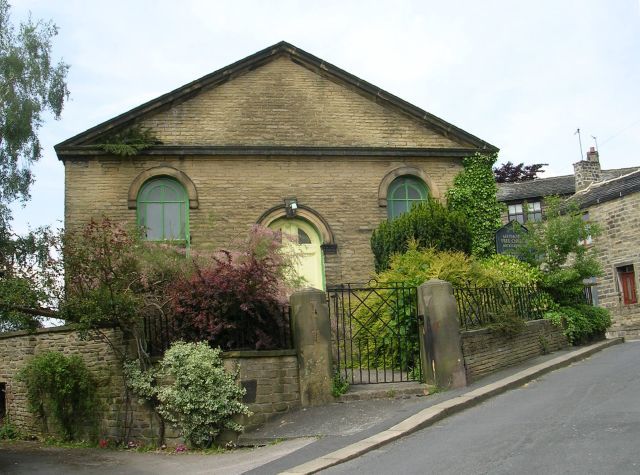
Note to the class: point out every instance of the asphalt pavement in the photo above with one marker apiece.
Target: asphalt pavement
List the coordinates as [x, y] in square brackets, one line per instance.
[582, 419]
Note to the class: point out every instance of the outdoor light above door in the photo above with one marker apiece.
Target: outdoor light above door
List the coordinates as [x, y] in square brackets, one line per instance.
[291, 206]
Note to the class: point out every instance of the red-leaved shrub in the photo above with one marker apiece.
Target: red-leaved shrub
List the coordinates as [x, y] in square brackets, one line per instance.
[236, 300]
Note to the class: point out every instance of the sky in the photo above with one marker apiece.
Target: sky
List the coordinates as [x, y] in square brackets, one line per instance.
[521, 75]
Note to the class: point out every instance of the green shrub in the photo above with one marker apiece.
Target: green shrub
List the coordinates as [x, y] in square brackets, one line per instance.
[428, 224]
[193, 391]
[339, 385]
[8, 431]
[60, 389]
[416, 266]
[581, 322]
[504, 268]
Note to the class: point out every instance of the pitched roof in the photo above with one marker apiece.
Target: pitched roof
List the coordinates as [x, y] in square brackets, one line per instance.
[609, 190]
[82, 142]
[558, 185]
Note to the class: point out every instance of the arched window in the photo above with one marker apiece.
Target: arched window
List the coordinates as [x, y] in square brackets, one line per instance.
[163, 210]
[403, 193]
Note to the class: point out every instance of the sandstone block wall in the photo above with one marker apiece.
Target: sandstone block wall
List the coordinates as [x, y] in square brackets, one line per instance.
[234, 192]
[271, 380]
[287, 104]
[273, 376]
[18, 347]
[618, 245]
[486, 352]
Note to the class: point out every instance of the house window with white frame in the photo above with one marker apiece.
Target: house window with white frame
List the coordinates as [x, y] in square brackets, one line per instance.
[534, 211]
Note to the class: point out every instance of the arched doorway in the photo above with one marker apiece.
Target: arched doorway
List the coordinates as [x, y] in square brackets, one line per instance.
[305, 242]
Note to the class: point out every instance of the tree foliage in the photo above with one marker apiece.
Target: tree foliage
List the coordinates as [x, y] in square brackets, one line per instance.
[510, 173]
[114, 278]
[31, 283]
[556, 245]
[30, 84]
[428, 225]
[473, 194]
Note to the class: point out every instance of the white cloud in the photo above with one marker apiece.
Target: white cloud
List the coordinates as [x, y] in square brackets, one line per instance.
[521, 75]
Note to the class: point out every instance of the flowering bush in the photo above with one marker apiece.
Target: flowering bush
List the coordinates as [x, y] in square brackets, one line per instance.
[193, 391]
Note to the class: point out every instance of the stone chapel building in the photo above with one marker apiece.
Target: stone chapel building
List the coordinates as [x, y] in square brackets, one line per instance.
[280, 138]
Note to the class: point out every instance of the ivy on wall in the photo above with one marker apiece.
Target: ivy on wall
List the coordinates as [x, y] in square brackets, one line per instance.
[474, 194]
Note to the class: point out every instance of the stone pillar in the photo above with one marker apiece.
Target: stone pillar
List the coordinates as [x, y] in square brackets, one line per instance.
[312, 340]
[444, 363]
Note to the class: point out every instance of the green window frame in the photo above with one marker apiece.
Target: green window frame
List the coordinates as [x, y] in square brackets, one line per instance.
[163, 210]
[404, 192]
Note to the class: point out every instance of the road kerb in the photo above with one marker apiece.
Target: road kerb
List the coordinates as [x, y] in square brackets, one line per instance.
[430, 415]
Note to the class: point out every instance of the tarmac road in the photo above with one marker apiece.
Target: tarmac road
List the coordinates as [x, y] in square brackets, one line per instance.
[583, 419]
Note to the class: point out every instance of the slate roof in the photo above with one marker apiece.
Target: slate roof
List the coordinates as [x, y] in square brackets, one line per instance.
[83, 142]
[609, 190]
[558, 185]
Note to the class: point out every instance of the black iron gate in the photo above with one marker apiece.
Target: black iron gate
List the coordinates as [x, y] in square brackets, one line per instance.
[375, 332]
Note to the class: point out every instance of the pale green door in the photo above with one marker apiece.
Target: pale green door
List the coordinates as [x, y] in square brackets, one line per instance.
[304, 242]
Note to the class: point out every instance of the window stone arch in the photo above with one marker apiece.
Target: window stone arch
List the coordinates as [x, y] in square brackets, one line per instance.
[158, 172]
[383, 189]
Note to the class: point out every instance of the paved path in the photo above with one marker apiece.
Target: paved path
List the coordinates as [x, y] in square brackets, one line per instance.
[583, 419]
[18, 458]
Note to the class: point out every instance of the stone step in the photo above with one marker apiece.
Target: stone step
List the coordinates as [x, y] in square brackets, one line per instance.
[360, 392]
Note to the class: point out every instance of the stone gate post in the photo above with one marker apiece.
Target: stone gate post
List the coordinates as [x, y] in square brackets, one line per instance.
[443, 363]
[312, 340]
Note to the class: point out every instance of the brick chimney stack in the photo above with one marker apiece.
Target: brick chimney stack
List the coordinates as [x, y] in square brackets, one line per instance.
[587, 171]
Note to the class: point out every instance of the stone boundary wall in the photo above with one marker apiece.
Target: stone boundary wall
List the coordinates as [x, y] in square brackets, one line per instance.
[486, 352]
[271, 379]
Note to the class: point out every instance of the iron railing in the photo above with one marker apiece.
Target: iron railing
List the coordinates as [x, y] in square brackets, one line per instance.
[375, 332]
[162, 330]
[479, 306]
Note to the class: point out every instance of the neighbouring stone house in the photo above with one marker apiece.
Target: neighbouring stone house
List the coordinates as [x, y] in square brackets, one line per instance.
[610, 198]
[281, 138]
[525, 200]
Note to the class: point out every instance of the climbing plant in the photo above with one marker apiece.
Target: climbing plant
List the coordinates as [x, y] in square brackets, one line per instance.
[130, 141]
[474, 194]
[61, 391]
